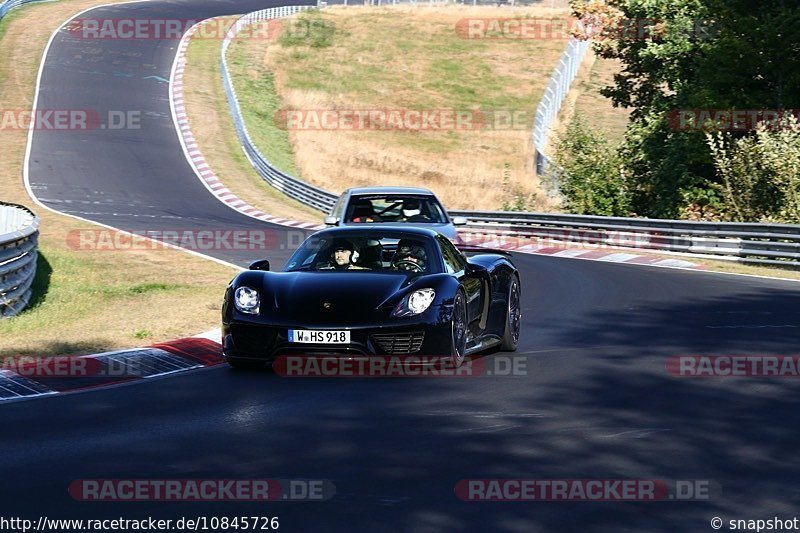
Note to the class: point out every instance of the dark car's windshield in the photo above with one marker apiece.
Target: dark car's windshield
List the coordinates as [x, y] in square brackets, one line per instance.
[372, 252]
[395, 208]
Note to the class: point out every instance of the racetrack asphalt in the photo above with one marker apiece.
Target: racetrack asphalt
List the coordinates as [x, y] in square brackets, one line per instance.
[595, 400]
[136, 179]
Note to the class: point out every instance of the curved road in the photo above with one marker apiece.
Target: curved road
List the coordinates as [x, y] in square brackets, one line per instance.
[595, 400]
[137, 178]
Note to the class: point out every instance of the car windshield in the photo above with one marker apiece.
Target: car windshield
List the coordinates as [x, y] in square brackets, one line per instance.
[372, 252]
[395, 208]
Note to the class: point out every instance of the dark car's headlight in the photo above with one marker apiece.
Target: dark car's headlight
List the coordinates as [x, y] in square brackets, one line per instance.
[247, 300]
[415, 303]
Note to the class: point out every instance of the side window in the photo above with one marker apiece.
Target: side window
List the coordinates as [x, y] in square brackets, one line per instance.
[337, 209]
[453, 261]
[436, 211]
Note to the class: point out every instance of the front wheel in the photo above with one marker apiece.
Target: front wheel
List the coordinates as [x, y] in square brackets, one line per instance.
[458, 330]
[513, 317]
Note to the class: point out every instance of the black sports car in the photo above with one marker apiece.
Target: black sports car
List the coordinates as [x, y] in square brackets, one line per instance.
[360, 292]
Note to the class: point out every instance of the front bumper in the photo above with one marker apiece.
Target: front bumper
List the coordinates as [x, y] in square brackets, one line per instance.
[254, 339]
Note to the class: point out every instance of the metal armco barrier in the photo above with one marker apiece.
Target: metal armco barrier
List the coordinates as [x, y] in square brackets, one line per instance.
[19, 232]
[767, 244]
[8, 5]
[294, 188]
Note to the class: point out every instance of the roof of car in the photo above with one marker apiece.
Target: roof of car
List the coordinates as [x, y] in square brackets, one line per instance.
[386, 229]
[388, 190]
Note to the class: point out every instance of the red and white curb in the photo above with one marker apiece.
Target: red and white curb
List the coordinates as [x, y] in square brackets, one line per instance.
[28, 377]
[212, 182]
[589, 253]
[195, 156]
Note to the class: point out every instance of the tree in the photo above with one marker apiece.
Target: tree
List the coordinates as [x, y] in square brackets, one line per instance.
[683, 55]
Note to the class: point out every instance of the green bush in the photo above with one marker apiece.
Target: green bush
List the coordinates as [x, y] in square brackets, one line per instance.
[664, 168]
[592, 178]
[760, 173]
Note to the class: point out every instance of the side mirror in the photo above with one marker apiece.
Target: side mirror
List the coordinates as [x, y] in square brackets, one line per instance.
[459, 221]
[331, 220]
[261, 264]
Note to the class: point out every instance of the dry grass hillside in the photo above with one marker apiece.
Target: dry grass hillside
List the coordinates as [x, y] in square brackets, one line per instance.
[403, 59]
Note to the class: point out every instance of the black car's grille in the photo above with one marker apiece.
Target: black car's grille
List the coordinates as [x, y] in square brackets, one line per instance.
[399, 343]
[259, 339]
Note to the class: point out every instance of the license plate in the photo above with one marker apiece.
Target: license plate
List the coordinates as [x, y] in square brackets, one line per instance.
[310, 336]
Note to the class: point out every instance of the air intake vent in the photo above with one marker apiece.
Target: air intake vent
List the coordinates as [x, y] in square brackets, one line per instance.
[402, 343]
[254, 339]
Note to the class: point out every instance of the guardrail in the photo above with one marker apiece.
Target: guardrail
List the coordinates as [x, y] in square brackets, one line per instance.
[8, 5]
[768, 244]
[294, 188]
[19, 233]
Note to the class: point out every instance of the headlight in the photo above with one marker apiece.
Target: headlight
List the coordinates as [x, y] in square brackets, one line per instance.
[415, 303]
[247, 300]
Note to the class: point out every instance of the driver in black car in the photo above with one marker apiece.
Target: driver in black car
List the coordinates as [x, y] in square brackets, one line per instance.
[342, 253]
[411, 256]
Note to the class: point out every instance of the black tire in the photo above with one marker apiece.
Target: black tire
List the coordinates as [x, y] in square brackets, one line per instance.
[513, 322]
[245, 365]
[458, 330]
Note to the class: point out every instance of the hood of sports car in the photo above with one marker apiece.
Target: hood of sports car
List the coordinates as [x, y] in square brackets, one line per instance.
[332, 297]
